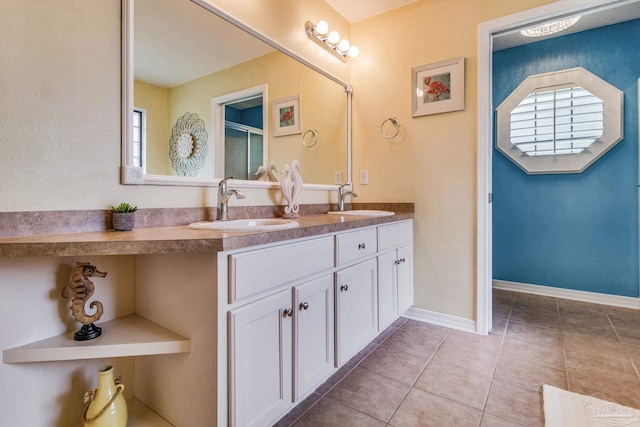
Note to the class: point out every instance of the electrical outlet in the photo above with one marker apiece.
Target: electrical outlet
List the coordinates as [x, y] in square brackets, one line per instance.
[364, 177]
[338, 178]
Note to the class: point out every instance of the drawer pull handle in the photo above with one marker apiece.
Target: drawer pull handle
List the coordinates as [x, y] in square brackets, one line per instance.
[304, 305]
[362, 246]
[344, 288]
[288, 312]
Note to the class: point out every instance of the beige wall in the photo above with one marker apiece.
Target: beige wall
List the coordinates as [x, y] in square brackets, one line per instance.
[433, 161]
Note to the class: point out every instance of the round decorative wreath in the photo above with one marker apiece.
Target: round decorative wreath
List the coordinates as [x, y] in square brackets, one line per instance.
[188, 145]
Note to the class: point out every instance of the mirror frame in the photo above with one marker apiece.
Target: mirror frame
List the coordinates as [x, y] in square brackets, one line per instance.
[131, 174]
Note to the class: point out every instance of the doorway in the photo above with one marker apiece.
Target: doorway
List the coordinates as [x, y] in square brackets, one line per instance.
[488, 32]
[240, 129]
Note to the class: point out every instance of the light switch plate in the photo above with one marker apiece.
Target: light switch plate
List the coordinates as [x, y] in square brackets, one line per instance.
[364, 177]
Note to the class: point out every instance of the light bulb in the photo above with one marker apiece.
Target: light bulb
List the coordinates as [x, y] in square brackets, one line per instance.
[353, 51]
[344, 45]
[334, 37]
[322, 27]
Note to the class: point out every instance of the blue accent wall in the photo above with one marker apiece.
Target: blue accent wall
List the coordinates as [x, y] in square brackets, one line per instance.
[248, 116]
[573, 231]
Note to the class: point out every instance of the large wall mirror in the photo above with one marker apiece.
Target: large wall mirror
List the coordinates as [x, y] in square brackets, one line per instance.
[205, 97]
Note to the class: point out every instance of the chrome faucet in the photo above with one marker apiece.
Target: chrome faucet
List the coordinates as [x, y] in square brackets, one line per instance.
[342, 194]
[223, 199]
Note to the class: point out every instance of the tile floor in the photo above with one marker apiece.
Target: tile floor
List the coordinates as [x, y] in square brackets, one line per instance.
[415, 374]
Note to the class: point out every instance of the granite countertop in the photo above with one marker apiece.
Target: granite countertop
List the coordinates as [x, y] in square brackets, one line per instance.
[178, 239]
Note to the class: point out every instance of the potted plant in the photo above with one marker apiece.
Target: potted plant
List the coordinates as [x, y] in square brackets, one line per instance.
[124, 218]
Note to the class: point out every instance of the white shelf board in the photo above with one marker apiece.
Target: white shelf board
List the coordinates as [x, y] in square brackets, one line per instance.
[140, 415]
[127, 336]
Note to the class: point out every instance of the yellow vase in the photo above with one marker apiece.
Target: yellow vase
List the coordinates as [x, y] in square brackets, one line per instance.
[107, 407]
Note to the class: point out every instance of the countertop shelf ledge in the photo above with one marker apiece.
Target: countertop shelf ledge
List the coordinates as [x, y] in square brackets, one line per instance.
[131, 335]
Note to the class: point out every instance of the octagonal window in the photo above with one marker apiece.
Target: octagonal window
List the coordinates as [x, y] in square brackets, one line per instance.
[559, 122]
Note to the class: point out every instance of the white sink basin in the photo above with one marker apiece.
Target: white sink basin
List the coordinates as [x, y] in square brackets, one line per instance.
[362, 212]
[261, 224]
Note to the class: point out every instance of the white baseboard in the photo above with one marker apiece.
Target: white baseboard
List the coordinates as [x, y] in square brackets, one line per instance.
[446, 320]
[593, 297]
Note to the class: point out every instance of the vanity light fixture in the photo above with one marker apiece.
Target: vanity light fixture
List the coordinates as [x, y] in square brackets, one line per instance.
[549, 28]
[330, 40]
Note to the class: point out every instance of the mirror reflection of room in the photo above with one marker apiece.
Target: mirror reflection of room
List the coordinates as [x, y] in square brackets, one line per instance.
[179, 73]
[243, 139]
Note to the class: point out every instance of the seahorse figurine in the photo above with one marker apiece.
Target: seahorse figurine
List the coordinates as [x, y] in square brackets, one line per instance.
[291, 187]
[79, 291]
[286, 186]
[297, 185]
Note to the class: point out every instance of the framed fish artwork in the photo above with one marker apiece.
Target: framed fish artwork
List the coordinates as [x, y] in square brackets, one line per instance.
[438, 87]
[286, 115]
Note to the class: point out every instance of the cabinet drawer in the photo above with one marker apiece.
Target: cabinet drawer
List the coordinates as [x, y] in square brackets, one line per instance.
[393, 235]
[257, 271]
[352, 246]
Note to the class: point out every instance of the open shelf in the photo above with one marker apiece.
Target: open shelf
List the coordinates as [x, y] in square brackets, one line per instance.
[140, 415]
[127, 336]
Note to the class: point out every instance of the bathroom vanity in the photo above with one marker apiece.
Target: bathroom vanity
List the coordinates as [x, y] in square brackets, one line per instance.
[236, 328]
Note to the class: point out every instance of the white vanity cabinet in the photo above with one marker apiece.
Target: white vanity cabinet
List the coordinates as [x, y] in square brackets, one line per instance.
[356, 308]
[313, 334]
[223, 330]
[281, 345]
[281, 348]
[260, 360]
[395, 271]
[298, 311]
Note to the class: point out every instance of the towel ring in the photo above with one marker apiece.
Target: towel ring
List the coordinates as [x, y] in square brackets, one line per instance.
[314, 138]
[394, 121]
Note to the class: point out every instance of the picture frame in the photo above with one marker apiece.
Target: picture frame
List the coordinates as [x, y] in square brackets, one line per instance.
[286, 115]
[438, 87]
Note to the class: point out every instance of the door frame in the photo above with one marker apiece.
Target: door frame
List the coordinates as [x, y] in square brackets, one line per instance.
[486, 31]
[218, 117]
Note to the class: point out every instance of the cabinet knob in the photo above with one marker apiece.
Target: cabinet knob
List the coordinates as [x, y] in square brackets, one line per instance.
[288, 312]
[344, 288]
[361, 246]
[396, 262]
[304, 305]
[402, 260]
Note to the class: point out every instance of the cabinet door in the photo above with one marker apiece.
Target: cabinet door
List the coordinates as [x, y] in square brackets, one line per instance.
[387, 289]
[260, 359]
[405, 278]
[314, 334]
[357, 308]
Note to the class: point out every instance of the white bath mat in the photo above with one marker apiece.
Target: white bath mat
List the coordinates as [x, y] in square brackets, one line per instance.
[566, 409]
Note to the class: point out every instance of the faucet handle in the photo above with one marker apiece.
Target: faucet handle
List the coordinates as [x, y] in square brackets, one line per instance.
[342, 187]
[223, 183]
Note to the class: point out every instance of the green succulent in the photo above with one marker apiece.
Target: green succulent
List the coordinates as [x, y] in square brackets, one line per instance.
[124, 208]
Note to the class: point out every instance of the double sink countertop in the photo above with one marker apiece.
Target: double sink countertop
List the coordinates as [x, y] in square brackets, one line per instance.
[179, 239]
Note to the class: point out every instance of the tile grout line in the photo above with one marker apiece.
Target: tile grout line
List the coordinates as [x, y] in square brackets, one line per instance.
[495, 366]
[415, 380]
[615, 330]
[324, 395]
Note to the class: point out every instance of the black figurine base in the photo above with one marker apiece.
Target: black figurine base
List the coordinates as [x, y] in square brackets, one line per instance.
[88, 332]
